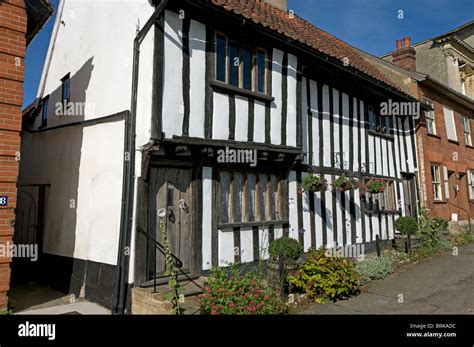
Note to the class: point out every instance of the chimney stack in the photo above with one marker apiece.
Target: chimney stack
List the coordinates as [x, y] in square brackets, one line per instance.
[405, 56]
[406, 41]
[281, 4]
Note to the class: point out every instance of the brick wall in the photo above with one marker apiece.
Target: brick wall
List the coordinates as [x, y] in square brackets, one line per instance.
[12, 54]
[439, 150]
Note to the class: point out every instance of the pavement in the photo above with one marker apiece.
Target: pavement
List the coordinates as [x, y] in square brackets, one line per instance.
[39, 299]
[442, 284]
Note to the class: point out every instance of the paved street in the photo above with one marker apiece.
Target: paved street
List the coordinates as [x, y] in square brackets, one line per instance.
[443, 284]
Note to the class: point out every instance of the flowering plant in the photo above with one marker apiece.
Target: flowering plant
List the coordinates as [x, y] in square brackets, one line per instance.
[237, 294]
[375, 185]
[314, 183]
[344, 182]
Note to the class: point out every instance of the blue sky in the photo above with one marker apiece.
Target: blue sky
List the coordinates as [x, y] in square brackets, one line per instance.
[371, 25]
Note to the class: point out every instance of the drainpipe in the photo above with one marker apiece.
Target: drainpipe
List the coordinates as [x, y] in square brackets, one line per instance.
[128, 183]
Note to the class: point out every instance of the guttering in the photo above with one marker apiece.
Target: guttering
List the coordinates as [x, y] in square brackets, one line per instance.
[449, 92]
[128, 184]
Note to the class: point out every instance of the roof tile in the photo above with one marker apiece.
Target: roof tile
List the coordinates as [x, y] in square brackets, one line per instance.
[304, 32]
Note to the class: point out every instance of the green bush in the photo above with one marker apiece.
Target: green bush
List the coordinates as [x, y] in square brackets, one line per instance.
[406, 225]
[287, 248]
[322, 277]
[374, 269]
[431, 230]
[236, 294]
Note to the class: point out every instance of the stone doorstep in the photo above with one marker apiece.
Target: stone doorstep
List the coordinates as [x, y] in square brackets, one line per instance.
[145, 301]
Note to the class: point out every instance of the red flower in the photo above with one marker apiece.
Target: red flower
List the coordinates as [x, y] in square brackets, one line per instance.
[214, 312]
[247, 294]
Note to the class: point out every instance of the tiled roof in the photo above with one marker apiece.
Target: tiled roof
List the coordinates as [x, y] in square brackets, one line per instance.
[304, 32]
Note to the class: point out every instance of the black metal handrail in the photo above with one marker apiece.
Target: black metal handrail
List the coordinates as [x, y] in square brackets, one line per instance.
[161, 248]
[176, 260]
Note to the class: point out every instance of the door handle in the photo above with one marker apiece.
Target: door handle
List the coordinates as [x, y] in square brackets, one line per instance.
[171, 216]
[183, 205]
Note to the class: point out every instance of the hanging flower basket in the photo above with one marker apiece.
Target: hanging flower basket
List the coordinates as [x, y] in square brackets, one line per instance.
[375, 185]
[314, 183]
[344, 183]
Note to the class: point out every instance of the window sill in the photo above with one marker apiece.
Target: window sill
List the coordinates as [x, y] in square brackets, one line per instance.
[434, 135]
[376, 133]
[439, 202]
[252, 224]
[454, 141]
[469, 146]
[228, 89]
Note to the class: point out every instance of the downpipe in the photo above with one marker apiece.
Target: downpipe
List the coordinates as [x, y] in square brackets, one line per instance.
[128, 183]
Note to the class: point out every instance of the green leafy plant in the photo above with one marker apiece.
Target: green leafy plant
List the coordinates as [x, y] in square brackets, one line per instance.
[285, 248]
[345, 182]
[406, 225]
[374, 269]
[314, 183]
[322, 278]
[171, 269]
[239, 294]
[430, 231]
[375, 185]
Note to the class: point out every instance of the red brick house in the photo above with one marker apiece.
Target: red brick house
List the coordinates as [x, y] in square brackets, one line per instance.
[20, 21]
[442, 68]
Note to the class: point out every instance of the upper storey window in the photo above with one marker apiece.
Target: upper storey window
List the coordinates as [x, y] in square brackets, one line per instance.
[378, 123]
[240, 66]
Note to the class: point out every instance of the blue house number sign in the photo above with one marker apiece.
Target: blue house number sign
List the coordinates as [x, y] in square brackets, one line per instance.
[3, 200]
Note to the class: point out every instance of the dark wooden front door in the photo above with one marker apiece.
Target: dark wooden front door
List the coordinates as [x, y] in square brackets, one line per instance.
[171, 190]
[409, 190]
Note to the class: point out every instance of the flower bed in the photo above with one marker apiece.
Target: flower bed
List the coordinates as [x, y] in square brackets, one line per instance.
[237, 294]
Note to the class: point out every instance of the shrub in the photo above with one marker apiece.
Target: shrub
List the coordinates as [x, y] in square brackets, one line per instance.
[406, 225]
[431, 230]
[236, 294]
[374, 269]
[322, 277]
[287, 248]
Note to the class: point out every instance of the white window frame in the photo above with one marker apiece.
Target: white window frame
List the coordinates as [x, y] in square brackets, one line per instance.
[466, 127]
[431, 122]
[470, 183]
[436, 182]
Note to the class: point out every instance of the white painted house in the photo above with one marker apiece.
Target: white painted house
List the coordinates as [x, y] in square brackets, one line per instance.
[147, 127]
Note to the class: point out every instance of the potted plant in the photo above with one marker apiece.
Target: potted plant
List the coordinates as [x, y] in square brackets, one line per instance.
[344, 183]
[314, 183]
[408, 227]
[284, 254]
[375, 185]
